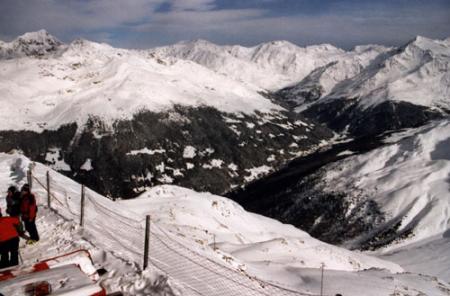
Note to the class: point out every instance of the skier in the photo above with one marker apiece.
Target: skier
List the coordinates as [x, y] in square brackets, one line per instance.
[13, 202]
[10, 230]
[28, 210]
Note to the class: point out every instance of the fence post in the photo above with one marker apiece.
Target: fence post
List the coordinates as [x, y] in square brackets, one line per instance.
[214, 242]
[147, 241]
[30, 178]
[48, 190]
[82, 205]
[321, 279]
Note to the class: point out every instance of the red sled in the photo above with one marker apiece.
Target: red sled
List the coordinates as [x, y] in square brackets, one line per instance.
[69, 274]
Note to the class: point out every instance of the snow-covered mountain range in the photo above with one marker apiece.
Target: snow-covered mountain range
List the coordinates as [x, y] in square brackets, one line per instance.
[52, 84]
[340, 88]
[126, 119]
[274, 65]
[83, 102]
[418, 73]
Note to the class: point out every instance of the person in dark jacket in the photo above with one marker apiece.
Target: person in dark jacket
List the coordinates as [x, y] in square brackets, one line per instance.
[10, 230]
[28, 210]
[13, 202]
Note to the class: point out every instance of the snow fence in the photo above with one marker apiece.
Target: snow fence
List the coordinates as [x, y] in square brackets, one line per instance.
[111, 227]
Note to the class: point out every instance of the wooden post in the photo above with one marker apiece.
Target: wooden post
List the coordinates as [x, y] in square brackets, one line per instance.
[82, 206]
[214, 242]
[321, 279]
[48, 190]
[30, 178]
[147, 241]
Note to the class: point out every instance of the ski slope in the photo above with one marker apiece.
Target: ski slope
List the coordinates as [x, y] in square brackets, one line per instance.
[253, 253]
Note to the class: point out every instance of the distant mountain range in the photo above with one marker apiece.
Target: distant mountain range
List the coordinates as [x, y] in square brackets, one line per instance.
[201, 115]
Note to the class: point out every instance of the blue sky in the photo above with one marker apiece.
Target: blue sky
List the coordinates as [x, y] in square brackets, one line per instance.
[148, 23]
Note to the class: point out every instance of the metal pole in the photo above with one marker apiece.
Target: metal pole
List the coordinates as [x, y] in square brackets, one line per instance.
[48, 190]
[82, 206]
[147, 241]
[321, 279]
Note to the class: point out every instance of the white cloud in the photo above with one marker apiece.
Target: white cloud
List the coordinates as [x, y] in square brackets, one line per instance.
[19, 16]
[251, 26]
[140, 23]
[195, 5]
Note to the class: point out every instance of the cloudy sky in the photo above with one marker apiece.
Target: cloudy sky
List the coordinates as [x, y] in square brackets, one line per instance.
[148, 23]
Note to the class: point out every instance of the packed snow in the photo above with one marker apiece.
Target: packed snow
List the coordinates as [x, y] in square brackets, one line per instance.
[54, 158]
[257, 172]
[189, 152]
[147, 151]
[87, 165]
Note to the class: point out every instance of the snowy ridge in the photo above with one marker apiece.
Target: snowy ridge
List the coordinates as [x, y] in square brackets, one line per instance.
[88, 79]
[322, 80]
[418, 73]
[390, 175]
[271, 65]
[409, 181]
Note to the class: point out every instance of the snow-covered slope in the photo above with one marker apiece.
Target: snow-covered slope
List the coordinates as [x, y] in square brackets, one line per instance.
[408, 180]
[418, 72]
[377, 89]
[90, 79]
[322, 80]
[248, 237]
[249, 243]
[273, 65]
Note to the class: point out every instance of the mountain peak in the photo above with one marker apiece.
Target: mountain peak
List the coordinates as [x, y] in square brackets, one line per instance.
[281, 43]
[39, 38]
[37, 43]
[40, 35]
[432, 46]
[197, 43]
